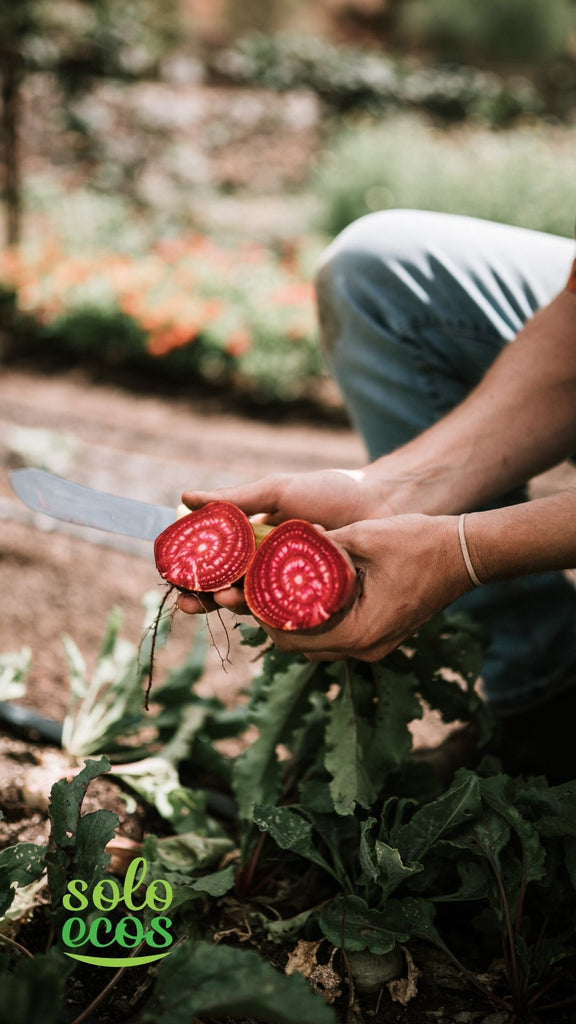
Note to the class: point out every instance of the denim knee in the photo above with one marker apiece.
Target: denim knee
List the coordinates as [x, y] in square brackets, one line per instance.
[361, 272]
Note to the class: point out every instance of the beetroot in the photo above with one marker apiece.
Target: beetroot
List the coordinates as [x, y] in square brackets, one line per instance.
[299, 580]
[207, 550]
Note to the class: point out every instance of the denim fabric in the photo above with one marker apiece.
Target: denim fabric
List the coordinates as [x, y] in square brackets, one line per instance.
[414, 307]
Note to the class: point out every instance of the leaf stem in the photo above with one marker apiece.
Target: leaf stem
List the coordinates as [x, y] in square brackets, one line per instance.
[155, 629]
[509, 935]
[245, 877]
[106, 990]
[489, 995]
[12, 942]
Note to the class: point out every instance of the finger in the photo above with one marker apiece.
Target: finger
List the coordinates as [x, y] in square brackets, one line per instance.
[253, 498]
[193, 605]
[232, 598]
[308, 644]
[350, 538]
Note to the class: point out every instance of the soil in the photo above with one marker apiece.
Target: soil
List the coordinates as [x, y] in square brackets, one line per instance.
[62, 579]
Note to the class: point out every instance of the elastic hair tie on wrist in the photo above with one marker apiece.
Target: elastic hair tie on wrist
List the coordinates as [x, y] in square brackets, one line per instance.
[465, 552]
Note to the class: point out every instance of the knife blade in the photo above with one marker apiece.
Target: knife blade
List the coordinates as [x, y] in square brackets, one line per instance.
[73, 503]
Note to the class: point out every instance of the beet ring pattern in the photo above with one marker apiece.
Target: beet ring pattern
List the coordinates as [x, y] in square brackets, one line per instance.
[298, 579]
[207, 550]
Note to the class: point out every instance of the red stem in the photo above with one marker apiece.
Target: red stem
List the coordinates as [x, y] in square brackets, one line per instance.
[245, 877]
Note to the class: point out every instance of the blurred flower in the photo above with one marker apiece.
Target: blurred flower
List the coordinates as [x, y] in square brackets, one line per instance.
[238, 342]
[161, 342]
[238, 299]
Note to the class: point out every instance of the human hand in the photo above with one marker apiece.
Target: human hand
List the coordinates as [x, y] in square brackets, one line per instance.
[329, 498]
[411, 568]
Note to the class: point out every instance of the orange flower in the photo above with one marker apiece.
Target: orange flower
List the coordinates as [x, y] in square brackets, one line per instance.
[131, 303]
[238, 342]
[293, 293]
[171, 249]
[212, 309]
[161, 342]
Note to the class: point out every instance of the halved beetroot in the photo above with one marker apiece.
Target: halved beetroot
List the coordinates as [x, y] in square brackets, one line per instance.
[206, 550]
[299, 580]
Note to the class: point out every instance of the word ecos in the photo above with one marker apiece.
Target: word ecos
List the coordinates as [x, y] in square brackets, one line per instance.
[127, 932]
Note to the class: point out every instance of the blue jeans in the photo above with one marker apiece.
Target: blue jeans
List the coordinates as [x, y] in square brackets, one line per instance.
[414, 307]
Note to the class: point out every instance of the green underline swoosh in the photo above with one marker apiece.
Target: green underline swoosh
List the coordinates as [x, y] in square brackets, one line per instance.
[118, 961]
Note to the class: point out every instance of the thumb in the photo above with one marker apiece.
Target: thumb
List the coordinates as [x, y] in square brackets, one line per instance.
[253, 498]
[353, 539]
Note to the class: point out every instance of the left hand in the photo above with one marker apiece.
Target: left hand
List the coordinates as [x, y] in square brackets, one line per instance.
[412, 568]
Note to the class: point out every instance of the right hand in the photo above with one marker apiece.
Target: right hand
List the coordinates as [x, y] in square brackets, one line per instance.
[329, 497]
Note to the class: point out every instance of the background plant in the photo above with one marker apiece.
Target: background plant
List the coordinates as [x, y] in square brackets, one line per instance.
[347, 79]
[78, 42]
[511, 32]
[240, 316]
[372, 849]
[522, 178]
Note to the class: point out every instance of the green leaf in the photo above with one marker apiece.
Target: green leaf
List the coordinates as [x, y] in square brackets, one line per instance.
[416, 917]
[459, 805]
[397, 705]
[76, 847]
[177, 691]
[253, 636]
[287, 930]
[14, 669]
[448, 655]
[347, 738]
[308, 747]
[177, 863]
[109, 705]
[216, 884]
[220, 981]
[34, 992]
[257, 771]
[476, 882]
[156, 780]
[291, 832]
[452, 642]
[20, 865]
[393, 871]
[551, 808]
[348, 922]
[501, 793]
[187, 853]
[382, 864]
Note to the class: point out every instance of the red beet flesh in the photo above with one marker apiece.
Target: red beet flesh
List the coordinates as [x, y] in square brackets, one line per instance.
[299, 580]
[207, 550]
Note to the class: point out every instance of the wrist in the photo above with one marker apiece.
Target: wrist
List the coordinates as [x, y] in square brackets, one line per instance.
[439, 550]
[517, 540]
[397, 488]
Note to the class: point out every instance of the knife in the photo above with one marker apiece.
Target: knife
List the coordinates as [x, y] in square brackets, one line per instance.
[85, 506]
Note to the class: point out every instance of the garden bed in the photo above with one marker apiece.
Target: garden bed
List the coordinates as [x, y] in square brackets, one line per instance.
[59, 581]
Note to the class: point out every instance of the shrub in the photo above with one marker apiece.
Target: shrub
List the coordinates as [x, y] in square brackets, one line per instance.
[240, 316]
[346, 78]
[522, 177]
[507, 31]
